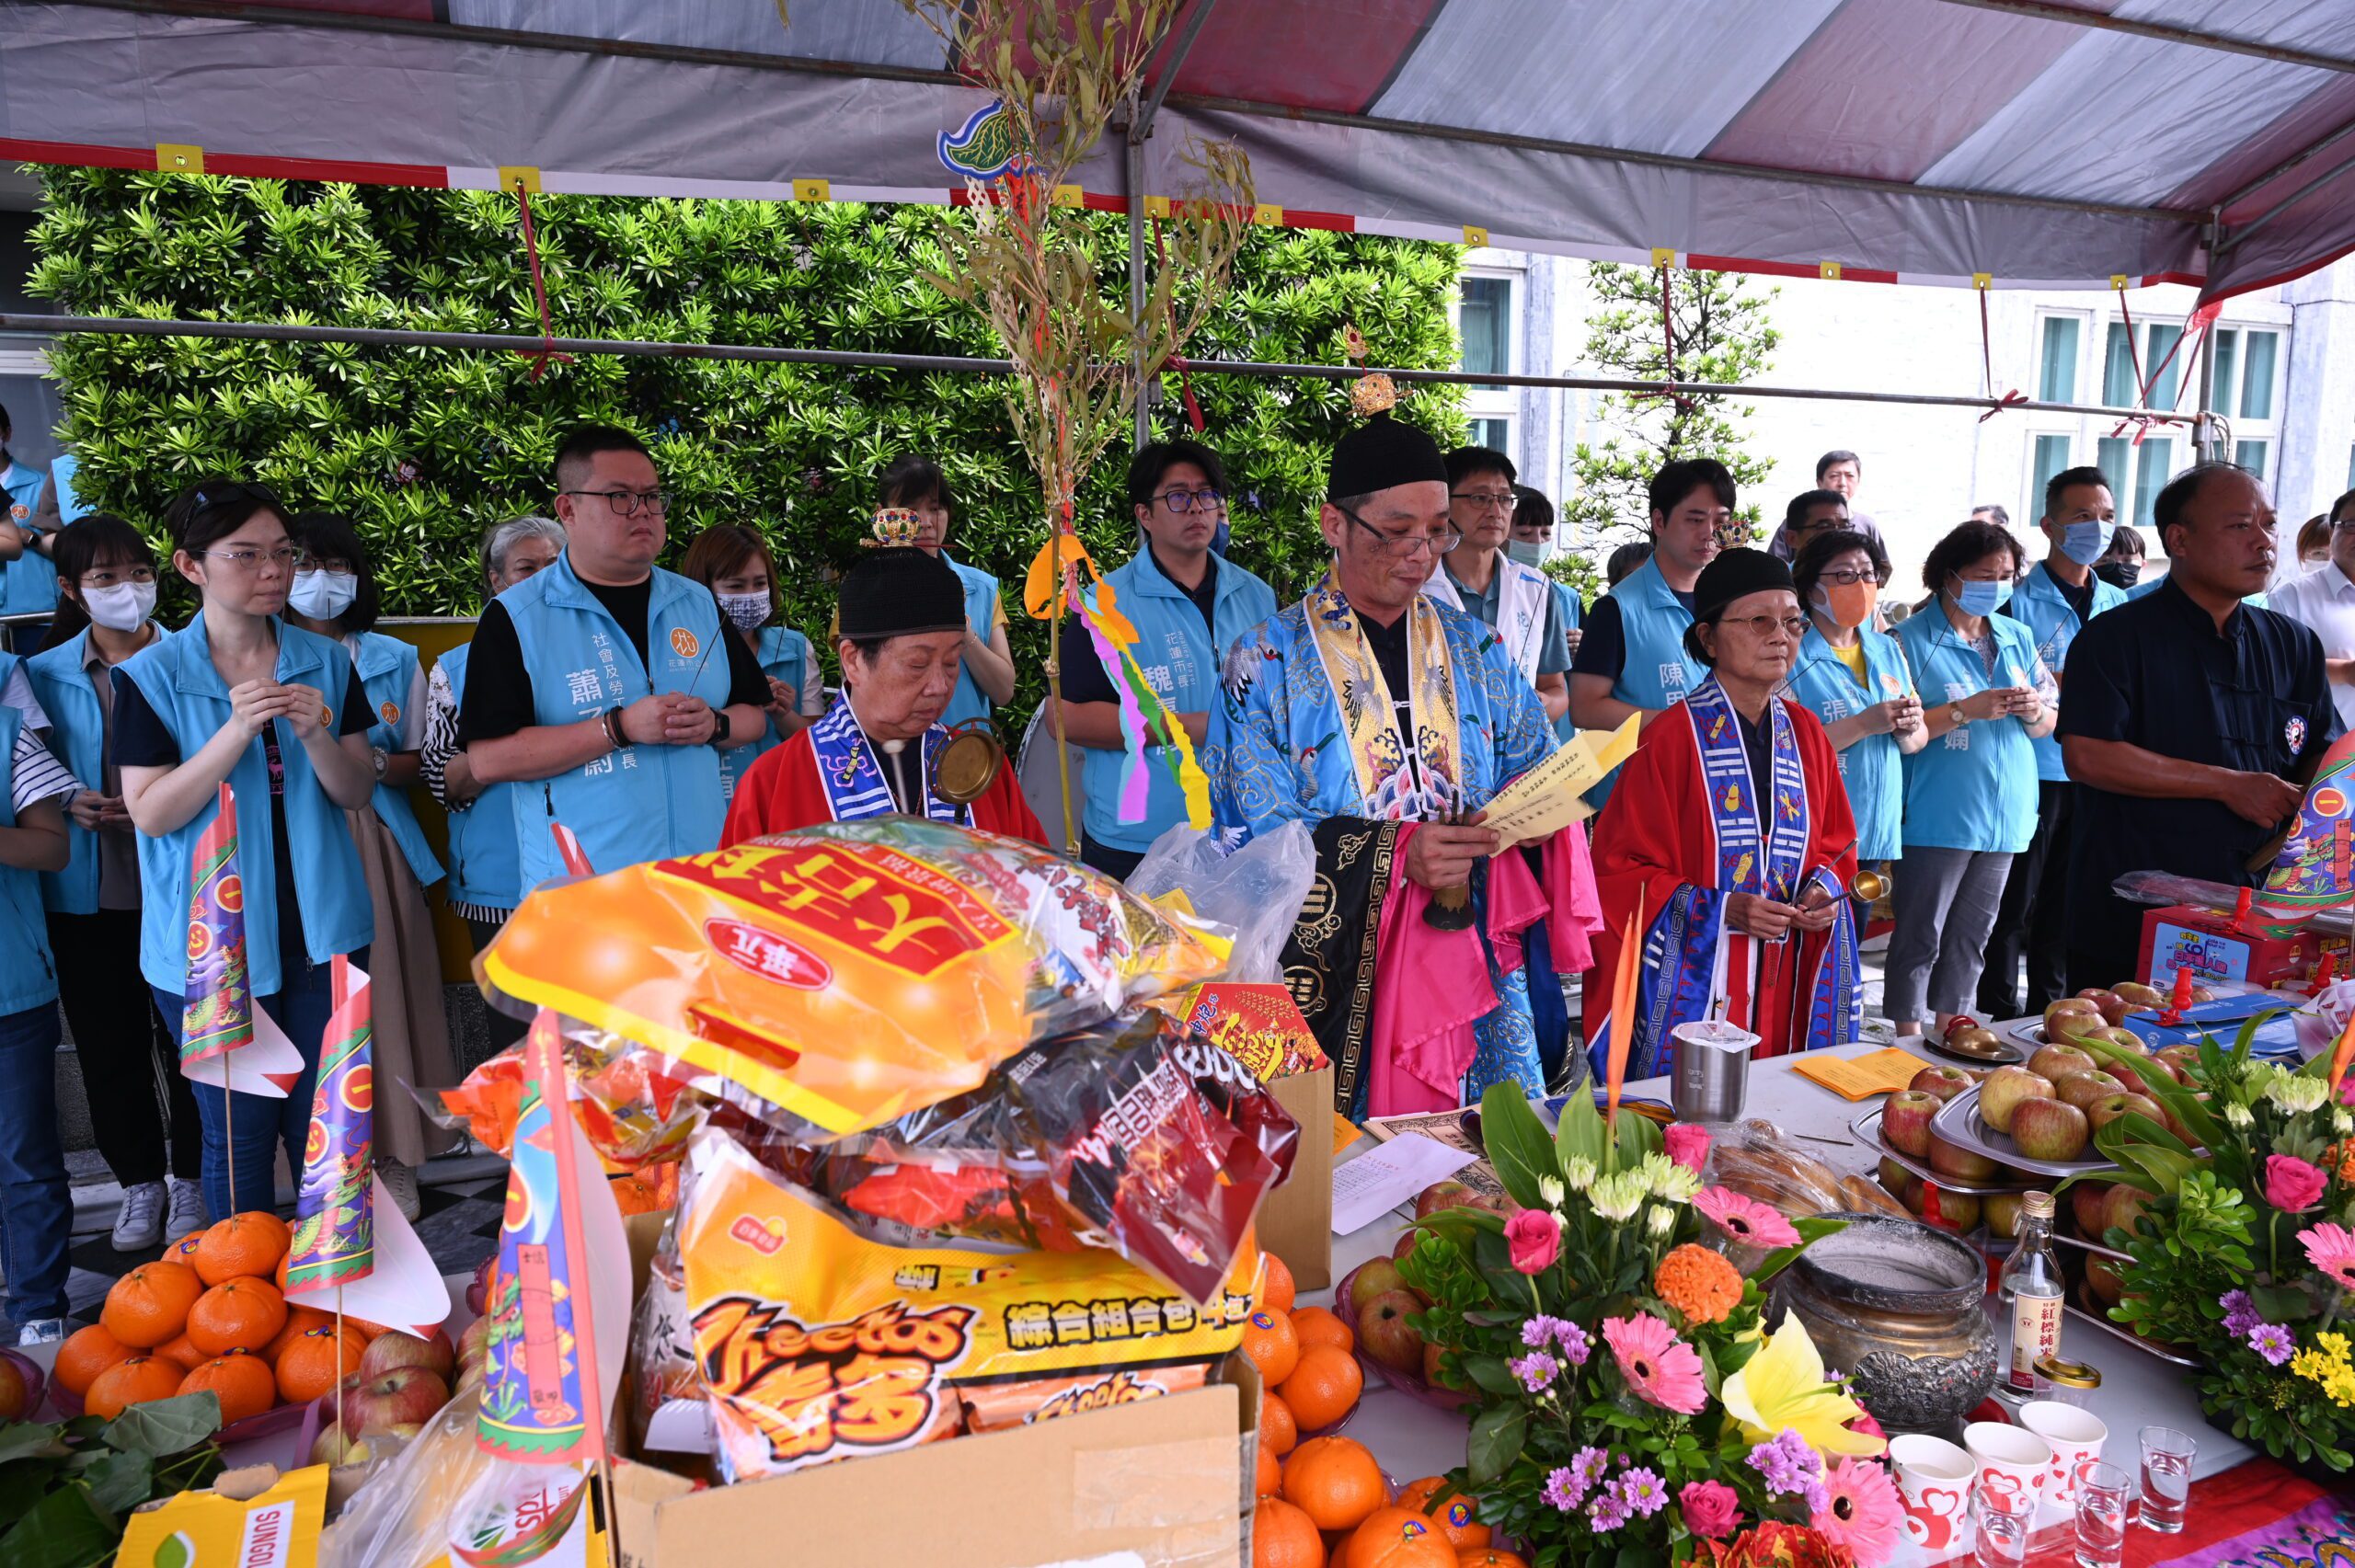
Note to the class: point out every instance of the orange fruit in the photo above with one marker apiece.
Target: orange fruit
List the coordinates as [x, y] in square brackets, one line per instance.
[1456, 1515]
[183, 1353]
[317, 1361]
[299, 1319]
[370, 1332]
[249, 1244]
[1324, 1387]
[237, 1314]
[130, 1382]
[1276, 1288]
[1335, 1481]
[1321, 1325]
[1282, 1535]
[1278, 1428]
[242, 1381]
[1397, 1537]
[1268, 1340]
[150, 1304]
[1486, 1557]
[184, 1250]
[1269, 1478]
[90, 1351]
[278, 1274]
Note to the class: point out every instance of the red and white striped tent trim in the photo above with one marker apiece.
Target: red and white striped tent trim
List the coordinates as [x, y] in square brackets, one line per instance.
[2008, 143]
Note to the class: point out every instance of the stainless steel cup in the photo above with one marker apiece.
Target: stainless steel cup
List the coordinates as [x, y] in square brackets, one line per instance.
[1709, 1070]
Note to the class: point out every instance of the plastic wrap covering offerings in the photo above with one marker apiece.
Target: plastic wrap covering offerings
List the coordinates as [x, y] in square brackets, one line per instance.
[847, 973]
[1137, 1133]
[817, 1344]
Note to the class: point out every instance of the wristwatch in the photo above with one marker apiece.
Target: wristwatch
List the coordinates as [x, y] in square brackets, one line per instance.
[723, 729]
[615, 733]
[377, 757]
[1954, 711]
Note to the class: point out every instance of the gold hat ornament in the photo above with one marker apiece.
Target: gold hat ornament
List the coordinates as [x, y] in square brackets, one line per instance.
[894, 526]
[1372, 393]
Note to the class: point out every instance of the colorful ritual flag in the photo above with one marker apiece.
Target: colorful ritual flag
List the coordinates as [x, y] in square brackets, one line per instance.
[239, 1046]
[334, 1229]
[2315, 867]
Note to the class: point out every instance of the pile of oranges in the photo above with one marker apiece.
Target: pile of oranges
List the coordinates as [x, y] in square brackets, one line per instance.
[1324, 1502]
[211, 1314]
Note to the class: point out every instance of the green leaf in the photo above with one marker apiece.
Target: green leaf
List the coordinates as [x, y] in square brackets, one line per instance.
[1516, 1143]
[1811, 1230]
[165, 1425]
[65, 1530]
[1491, 1373]
[23, 1440]
[1495, 1441]
[120, 1481]
[1579, 1132]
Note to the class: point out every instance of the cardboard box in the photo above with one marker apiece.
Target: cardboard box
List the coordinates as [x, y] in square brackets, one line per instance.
[1296, 1221]
[2214, 946]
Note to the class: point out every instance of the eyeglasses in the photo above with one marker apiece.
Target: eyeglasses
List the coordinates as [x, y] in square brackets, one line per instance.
[245, 560]
[1763, 626]
[629, 503]
[1401, 545]
[115, 577]
[1180, 502]
[1489, 500]
[306, 562]
[1848, 578]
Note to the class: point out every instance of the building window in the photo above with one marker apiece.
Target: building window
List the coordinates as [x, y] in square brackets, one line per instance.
[2252, 456]
[1494, 434]
[2056, 374]
[2262, 355]
[2118, 386]
[2051, 457]
[1488, 323]
[2153, 466]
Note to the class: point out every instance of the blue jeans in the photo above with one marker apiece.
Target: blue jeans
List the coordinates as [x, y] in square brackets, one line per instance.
[36, 1208]
[247, 1140]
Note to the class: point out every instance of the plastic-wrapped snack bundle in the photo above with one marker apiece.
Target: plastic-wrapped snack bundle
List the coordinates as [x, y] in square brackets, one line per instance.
[817, 1344]
[850, 973]
[634, 1111]
[1137, 1133]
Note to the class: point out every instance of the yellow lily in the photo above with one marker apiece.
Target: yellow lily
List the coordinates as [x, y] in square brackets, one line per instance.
[1783, 1386]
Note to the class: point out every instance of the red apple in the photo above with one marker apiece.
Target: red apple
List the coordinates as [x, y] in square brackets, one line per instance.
[1953, 1210]
[2104, 1275]
[2055, 1063]
[1431, 1373]
[1386, 1334]
[2005, 1087]
[2049, 1130]
[2109, 1004]
[16, 1392]
[393, 1349]
[1905, 1120]
[1379, 1277]
[1954, 1160]
[2087, 1203]
[335, 1448]
[2101, 1112]
[2125, 1207]
[1407, 1240]
[2180, 1060]
[2081, 1089]
[1442, 1194]
[2001, 1211]
[1942, 1083]
[403, 1394]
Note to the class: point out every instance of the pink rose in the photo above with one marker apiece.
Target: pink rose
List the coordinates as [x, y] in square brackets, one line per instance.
[1688, 1145]
[1711, 1509]
[1536, 1238]
[2291, 1184]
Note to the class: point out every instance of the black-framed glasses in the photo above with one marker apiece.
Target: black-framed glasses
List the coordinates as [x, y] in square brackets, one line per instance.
[306, 562]
[1180, 502]
[1848, 577]
[1401, 545]
[1763, 626]
[1489, 501]
[629, 503]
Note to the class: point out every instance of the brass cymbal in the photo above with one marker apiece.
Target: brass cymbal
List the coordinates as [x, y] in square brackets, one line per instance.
[966, 766]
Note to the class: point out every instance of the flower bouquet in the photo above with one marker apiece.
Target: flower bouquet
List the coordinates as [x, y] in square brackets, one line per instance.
[2243, 1254]
[1632, 1409]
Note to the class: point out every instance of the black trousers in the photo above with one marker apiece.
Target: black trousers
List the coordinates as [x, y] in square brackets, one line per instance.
[2031, 923]
[504, 1030]
[130, 1054]
[1119, 864]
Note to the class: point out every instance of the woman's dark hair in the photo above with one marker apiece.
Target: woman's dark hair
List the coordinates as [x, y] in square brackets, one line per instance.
[329, 536]
[2315, 533]
[911, 479]
[211, 510]
[1531, 508]
[2125, 541]
[1820, 551]
[1966, 544]
[722, 550]
[96, 539]
[1625, 559]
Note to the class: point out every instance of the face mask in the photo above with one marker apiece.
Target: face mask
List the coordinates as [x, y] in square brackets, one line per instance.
[1979, 598]
[2119, 574]
[745, 611]
[122, 608]
[1529, 553]
[2084, 542]
[1849, 603]
[1218, 540]
[322, 596]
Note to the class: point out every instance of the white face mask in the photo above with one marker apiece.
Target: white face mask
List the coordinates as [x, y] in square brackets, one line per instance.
[745, 611]
[124, 607]
[1529, 553]
[322, 596]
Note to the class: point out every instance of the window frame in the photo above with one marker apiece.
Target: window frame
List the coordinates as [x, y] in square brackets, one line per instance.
[1500, 402]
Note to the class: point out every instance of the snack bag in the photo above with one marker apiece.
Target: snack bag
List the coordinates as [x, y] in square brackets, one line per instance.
[849, 973]
[818, 1345]
[993, 1407]
[633, 1111]
[1259, 1025]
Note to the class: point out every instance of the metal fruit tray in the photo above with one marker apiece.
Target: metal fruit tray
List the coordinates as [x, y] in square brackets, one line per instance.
[2073, 1306]
[1958, 1122]
[1867, 1130]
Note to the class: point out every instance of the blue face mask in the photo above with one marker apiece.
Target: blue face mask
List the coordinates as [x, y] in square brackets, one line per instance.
[1979, 598]
[2084, 542]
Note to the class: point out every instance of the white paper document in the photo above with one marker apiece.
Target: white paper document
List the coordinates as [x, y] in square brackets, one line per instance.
[1381, 1179]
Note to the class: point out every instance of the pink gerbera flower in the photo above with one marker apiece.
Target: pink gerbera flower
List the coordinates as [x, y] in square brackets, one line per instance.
[1861, 1511]
[1744, 1220]
[2331, 1249]
[1661, 1367]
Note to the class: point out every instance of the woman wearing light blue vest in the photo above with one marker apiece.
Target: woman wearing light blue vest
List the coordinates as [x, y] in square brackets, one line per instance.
[735, 564]
[36, 1210]
[240, 697]
[1970, 792]
[335, 595]
[1189, 608]
[917, 485]
[27, 581]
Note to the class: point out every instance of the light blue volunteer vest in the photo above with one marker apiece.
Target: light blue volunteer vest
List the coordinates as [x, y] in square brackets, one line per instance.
[178, 677]
[485, 869]
[1565, 598]
[1872, 768]
[80, 725]
[62, 469]
[1974, 787]
[28, 979]
[784, 656]
[1657, 673]
[2038, 604]
[642, 802]
[980, 615]
[29, 585]
[387, 668]
[1181, 661]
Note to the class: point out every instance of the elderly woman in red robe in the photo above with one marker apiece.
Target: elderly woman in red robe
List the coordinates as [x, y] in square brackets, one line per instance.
[1729, 843]
[900, 632]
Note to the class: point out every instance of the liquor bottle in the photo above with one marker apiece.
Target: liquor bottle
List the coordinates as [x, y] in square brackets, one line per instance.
[2031, 1287]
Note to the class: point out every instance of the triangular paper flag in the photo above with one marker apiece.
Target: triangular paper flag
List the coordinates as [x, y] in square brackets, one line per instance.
[334, 1237]
[404, 1290]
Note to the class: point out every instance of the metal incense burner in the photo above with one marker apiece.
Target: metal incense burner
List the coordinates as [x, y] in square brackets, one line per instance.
[1899, 1306]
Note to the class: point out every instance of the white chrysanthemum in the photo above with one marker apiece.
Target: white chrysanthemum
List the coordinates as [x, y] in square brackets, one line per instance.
[2297, 1093]
[1619, 1194]
[1578, 1171]
[2238, 1118]
[2341, 1121]
[1550, 1190]
[1661, 1219]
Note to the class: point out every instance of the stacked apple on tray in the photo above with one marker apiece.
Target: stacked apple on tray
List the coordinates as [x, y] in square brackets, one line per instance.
[1958, 1184]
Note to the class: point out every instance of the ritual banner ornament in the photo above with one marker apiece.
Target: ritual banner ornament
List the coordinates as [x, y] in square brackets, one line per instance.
[226, 1041]
[334, 1229]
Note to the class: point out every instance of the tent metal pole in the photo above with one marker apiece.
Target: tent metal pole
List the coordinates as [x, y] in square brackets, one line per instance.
[22, 324]
[1133, 188]
[2044, 10]
[2312, 150]
[1170, 67]
[2242, 233]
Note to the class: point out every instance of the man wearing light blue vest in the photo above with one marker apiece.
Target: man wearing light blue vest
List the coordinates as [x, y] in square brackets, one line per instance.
[27, 581]
[1632, 659]
[2056, 598]
[605, 684]
[1189, 608]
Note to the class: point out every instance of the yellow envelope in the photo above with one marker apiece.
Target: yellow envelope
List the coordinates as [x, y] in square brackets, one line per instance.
[1878, 1072]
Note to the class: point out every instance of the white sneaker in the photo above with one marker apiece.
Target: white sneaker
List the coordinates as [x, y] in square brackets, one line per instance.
[184, 1212]
[41, 1331]
[140, 1225]
[401, 1181]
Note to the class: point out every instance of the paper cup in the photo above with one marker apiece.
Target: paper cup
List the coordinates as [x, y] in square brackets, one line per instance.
[1934, 1479]
[2074, 1437]
[2018, 1457]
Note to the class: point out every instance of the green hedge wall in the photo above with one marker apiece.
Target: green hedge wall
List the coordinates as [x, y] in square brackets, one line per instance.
[425, 447]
